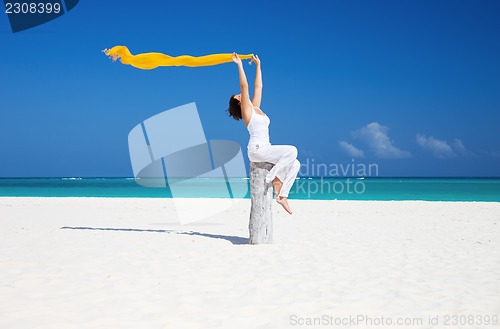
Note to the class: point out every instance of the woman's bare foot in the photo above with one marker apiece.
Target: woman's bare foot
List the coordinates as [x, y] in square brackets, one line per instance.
[277, 184]
[283, 201]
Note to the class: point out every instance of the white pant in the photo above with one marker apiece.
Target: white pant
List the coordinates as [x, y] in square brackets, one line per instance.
[284, 158]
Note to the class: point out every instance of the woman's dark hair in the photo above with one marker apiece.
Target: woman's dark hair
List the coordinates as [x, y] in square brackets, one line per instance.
[234, 108]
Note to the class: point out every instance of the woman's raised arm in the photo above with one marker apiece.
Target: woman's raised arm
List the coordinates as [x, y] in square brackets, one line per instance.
[257, 92]
[246, 107]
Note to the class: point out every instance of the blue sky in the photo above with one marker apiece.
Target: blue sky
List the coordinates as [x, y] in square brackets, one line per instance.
[413, 86]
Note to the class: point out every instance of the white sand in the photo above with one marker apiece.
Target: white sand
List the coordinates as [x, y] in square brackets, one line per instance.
[127, 263]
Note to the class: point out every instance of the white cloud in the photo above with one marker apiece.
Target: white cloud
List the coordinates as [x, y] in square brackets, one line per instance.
[376, 137]
[461, 149]
[494, 154]
[439, 148]
[352, 150]
[459, 146]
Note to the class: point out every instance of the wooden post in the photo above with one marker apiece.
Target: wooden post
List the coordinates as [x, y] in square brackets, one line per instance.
[261, 217]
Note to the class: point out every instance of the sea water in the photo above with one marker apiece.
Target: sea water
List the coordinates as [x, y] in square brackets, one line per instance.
[314, 188]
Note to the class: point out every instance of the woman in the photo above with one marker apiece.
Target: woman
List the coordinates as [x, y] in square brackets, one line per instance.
[284, 157]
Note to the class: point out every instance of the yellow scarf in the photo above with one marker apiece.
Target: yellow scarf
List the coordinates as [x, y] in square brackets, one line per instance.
[148, 61]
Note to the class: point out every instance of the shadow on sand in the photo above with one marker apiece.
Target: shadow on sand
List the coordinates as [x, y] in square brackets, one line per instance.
[231, 238]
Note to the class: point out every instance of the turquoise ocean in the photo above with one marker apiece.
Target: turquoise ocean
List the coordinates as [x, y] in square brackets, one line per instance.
[314, 188]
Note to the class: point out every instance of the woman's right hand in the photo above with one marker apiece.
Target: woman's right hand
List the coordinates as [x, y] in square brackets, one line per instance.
[255, 59]
[236, 58]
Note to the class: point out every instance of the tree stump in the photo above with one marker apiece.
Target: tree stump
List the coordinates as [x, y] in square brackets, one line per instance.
[261, 219]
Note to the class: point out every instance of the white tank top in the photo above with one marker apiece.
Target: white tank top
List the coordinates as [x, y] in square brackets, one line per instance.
[258, 127]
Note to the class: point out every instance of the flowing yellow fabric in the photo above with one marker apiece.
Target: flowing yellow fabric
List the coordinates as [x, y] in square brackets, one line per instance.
[149, 61]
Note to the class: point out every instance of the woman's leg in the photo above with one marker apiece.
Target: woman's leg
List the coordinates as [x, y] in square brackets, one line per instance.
[284, 172]
[279, 155]
[277, 184]
[282, 156]
[282, 194]
[290, 178]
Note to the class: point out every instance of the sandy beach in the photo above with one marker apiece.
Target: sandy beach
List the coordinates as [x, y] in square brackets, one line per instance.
[128, 263]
